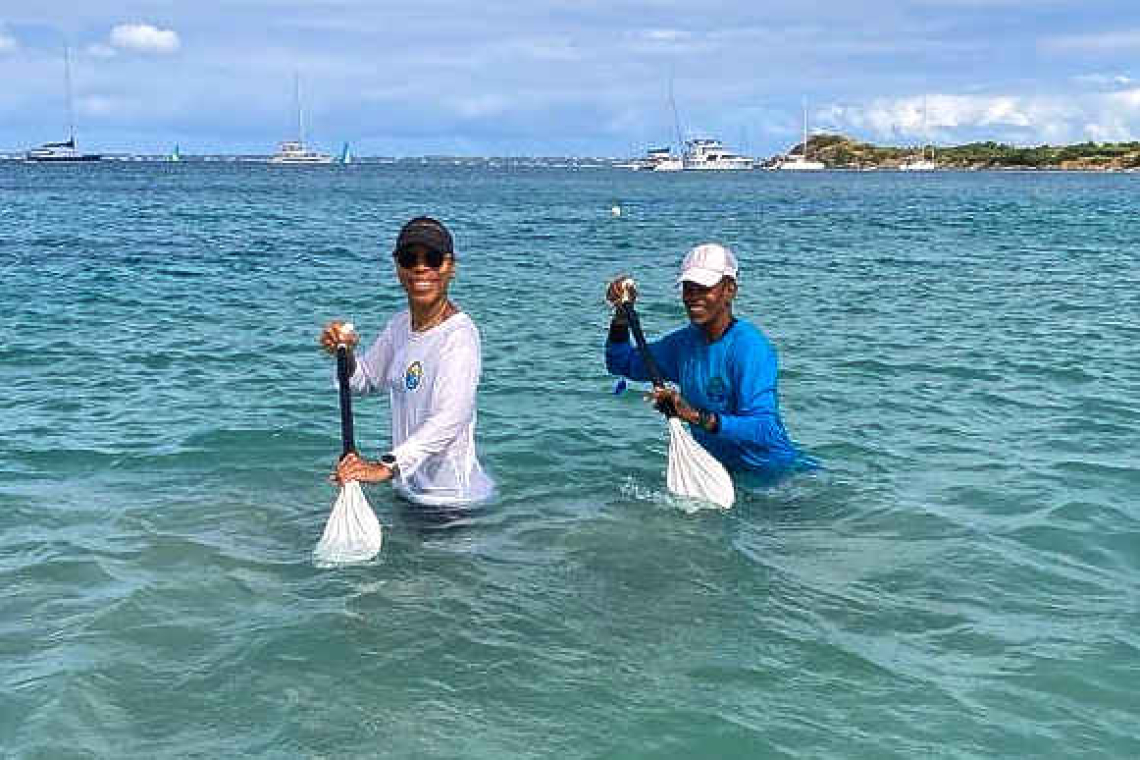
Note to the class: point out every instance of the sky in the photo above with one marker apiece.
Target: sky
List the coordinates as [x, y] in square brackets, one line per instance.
[565, 78]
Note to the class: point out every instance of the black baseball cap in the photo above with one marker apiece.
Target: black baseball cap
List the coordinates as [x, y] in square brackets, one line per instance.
[428, 232]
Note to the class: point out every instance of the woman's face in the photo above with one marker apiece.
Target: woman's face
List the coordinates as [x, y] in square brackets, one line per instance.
[708, 305]
[424, 284]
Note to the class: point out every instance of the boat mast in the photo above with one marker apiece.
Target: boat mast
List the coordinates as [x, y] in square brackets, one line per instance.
[676, 119]
[67, 94]
[297, 103]
[925, 132]
[805, 129]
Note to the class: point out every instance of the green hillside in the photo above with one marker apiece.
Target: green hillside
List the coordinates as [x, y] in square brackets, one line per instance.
[839, 152]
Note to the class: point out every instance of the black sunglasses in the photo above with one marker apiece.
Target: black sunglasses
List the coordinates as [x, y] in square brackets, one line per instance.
[410, 257]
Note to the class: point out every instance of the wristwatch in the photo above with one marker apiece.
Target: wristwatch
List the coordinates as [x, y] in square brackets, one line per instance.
[389, 461]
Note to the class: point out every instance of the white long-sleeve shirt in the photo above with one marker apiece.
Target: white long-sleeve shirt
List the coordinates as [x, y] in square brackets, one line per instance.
[431, 378]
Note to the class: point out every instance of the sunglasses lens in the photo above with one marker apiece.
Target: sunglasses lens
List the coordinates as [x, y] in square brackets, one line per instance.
[408, 258]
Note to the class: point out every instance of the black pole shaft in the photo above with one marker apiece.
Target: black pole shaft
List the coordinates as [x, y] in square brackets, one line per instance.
[347, 438]
[642, 346]
[665, 406]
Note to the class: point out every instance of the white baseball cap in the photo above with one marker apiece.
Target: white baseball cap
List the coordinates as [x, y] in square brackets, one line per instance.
[707, 264]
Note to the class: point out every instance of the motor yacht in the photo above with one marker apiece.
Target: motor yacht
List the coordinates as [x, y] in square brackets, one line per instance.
[710, 155]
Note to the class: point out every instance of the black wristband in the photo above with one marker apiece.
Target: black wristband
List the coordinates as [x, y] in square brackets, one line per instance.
[619, 333]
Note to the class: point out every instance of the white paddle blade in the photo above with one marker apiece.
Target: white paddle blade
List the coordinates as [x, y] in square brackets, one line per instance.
[352, 534]
[694, 472]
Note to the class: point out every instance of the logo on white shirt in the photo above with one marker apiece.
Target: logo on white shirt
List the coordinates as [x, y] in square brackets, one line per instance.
[413, 376]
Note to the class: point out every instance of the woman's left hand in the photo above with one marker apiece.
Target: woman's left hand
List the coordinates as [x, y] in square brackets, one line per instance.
[355, 467]
[663, 398]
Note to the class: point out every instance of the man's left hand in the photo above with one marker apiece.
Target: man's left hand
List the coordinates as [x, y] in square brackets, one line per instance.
[668, 400]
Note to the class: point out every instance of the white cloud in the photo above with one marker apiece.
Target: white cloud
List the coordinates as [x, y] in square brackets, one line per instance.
[98, 105]
[144, 38]
[480, 106]
[1019, 119]
[1107, 42]
[7, 42]
[99, 50]
[1104, 80]
[665, 35]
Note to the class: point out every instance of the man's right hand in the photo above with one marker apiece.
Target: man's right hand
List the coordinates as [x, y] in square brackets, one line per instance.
[622, 290]
[338, 333]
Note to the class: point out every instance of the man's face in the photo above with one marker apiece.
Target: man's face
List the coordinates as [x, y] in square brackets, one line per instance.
[707, 305]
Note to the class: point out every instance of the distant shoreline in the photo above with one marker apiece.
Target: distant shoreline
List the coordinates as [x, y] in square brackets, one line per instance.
[836, 152]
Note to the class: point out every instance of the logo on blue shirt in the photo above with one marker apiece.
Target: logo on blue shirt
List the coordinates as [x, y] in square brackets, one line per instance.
[717, 390]
[413, 376]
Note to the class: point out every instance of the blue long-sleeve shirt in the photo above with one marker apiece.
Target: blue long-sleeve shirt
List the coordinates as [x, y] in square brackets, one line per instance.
[734, 377]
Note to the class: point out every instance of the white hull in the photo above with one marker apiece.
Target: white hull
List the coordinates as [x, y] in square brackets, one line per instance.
[919, 166]
[295, 152]
[800, 164]
[717, 166]
[655, 160]
[315, 159]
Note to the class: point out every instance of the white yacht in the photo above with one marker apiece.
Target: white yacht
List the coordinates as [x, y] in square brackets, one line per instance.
[654, 160]
[295, 151]
[63, 152]
[923, 164]
[711, 155]
[800, 162]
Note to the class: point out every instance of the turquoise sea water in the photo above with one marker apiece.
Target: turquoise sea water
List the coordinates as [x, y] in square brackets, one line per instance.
[961, 580]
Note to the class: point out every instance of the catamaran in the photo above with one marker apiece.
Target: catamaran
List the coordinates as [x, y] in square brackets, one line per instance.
[65, 151]
[295, 151]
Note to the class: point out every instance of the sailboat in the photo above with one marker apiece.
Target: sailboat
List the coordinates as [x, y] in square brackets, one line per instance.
[799, 162]
[922, 163]
[175, 155]
[666, 161]
[345, 155]
[295, 151]
[63, 152]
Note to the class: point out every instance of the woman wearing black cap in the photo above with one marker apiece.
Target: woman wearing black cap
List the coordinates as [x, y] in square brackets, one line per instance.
[429, 359]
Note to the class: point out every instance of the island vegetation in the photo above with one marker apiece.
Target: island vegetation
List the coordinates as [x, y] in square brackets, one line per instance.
[840, 152]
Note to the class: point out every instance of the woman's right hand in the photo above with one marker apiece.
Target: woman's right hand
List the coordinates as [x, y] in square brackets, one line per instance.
[622, 289]
[338, 333]
[352, 466]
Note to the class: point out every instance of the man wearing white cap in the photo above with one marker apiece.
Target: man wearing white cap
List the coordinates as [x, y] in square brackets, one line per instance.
[725, 367]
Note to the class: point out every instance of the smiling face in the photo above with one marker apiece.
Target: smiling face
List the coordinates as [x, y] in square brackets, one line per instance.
[425, 285]
[709, 307]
